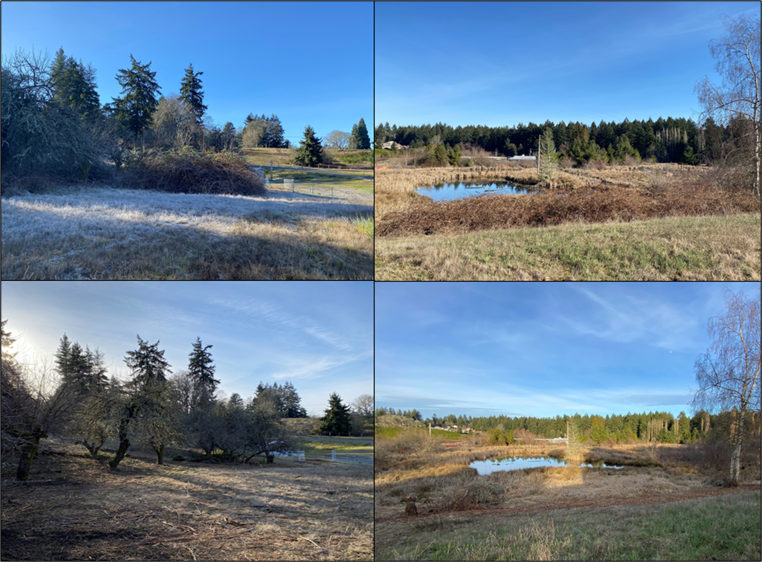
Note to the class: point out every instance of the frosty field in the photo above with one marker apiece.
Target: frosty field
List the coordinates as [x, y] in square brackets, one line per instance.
[107, 233]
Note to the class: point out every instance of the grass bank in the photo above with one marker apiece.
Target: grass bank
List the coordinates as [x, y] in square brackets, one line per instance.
[674, 248]
[724, 527]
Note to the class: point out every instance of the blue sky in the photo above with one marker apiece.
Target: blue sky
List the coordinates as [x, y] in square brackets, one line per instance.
[310, 63]
[542, 349]
[502, 63]
[317, 335]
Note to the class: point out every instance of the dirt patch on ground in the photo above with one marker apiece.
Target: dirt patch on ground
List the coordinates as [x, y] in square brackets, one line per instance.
[572, 504]
[75, 508]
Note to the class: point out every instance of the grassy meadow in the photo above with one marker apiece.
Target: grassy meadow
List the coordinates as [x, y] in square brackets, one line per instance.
[647, 222]
[75, 508]
[663, 504]
[355, 159]
[187, 215]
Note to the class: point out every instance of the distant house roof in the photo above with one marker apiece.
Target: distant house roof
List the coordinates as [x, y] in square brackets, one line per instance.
[392, 144]
[523, 158]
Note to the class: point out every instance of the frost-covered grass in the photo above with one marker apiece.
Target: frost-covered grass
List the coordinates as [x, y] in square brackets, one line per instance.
[106, 233]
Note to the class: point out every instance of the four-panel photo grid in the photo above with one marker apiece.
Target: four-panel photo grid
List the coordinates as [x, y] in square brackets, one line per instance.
[362, 280]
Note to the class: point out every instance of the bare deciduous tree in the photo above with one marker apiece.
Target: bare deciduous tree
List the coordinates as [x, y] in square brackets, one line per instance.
[740, 96]
[337, 139]
[728, 374]
[32, 408]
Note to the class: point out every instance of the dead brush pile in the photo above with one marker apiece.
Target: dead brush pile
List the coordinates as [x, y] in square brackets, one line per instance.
[190, 171]
[490, 212]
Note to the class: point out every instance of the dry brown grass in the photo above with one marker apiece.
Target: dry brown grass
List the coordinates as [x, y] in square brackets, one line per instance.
[443, 481]
[191, 171]
[675, 248]
[602, 204]
[74, 508]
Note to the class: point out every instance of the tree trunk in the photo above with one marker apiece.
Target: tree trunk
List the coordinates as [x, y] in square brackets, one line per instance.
[270, 458]
[124, 444]
[28, 452]
[159, 453]
[735, 458]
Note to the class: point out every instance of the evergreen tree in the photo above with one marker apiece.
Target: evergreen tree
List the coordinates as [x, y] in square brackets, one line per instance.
[337, 420]
[689, 157]
[201, 371]
[191, 92]
[363, 140]
[74, 85]
[310, 153]
[354, 142]
[598, 431]
[134, 110]
[147, 365]
[63, 358]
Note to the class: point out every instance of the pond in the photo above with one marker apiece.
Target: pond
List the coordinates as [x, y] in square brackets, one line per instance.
[450, 191]
[517, 463]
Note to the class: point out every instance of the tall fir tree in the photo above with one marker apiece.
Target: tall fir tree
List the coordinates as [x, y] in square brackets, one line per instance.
[147, 364]
[354, 142]
[63, 358]
[337, 419]
[134, 110]
[363, 140]
[310, 152]
[190, 91]
[201, 371]
[74, 85]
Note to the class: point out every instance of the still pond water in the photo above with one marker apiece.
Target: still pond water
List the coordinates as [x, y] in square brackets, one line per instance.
[517, 463]
[450, 191]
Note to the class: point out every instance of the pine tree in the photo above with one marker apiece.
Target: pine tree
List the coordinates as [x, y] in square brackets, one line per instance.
[74, 85]
[337, 420]
[190, 91]
[363, 140]
[63, 358]
[310, 153]
[353, 140]
[201, 371]
[147, 365]
[134, 110]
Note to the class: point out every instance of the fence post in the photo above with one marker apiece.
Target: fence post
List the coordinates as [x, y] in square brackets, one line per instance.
[333, 455]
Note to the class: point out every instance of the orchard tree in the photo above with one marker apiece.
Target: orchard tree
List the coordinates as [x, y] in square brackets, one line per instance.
[140, 400]
[728, 373]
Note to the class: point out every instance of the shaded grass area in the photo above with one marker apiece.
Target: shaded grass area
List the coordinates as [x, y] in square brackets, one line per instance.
[75, 508]
[126, 234]
[675, 248]
[723, 527]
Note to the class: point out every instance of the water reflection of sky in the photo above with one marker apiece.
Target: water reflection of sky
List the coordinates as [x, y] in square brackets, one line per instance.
[450, 191]
[517, 463]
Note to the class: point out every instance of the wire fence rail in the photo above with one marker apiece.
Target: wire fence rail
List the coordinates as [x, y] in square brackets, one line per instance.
[352, 194]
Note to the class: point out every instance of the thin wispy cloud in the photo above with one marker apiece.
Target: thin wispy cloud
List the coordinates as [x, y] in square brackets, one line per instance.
[543, 349]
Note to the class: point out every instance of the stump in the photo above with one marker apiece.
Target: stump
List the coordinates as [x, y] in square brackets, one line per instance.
[410, 509]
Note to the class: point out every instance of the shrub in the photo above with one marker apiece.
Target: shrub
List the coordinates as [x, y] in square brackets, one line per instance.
[189, 171]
